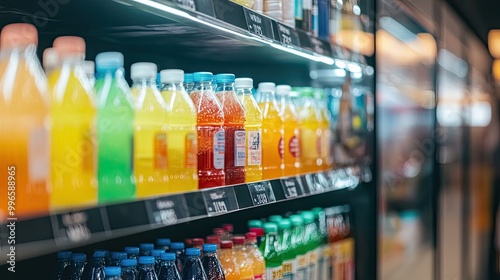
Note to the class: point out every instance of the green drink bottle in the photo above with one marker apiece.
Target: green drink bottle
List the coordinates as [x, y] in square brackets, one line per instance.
[324, 248]
[271, 255]
[297, 238]
[287, 252]
[311, 233]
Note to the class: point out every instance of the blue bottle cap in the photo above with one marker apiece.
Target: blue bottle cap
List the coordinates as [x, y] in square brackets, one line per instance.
[188, 78]
[129, 262]
[202, 76]
[225, 78]
[177, 246]
[131, 250]
[192, 252]
[147, 246]
[163, 242]
[157, 252]
[99, 254]
[146, 260]
[167, 257]
[64, 255]
[111, 271]
[118, 255]
[81, 257]
[108, 61]
[209, 248]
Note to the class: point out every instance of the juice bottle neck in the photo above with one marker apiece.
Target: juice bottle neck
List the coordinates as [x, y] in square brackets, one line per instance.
[144, 82]
[173, 87]
[203, 86]
[229, 86]
[244, 91]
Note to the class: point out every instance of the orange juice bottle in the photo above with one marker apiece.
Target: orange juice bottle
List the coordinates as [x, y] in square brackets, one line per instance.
[182, 148]
[242, 260]
[252, 252]
[326, 132]
[291, 129]
[234, 125]
[150, 132]
[272, 133]
[73, 136]
[310, 147]
[24, 153]
[231, 269]
[253, 128]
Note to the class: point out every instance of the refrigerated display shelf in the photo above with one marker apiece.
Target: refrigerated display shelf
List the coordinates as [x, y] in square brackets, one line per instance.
[69, 229]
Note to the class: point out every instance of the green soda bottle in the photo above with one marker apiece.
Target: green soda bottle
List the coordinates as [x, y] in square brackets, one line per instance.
[254, 224]
[271, 255]
[323, 247]
[275, 219]
[115, 118]
[297, 238]
[287, 252]
[311, 241]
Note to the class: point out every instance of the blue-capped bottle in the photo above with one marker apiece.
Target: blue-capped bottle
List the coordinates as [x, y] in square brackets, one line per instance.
[163, 243]
[132, 252]
[193, 269]
[147, 268]
[63, 260]
[178, 249]
[75, 268]
[95, 268]
[116, 258]
[234, 126]
[156, 253]
[168, 268]
[107, 258]
[129, 269]
[112, 273]
[211, 263]
[146, 249]
[188, 82]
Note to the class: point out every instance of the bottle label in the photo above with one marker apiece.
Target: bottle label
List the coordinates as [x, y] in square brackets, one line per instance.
[239, 148]
[254, 148]
[289, 269]
[258, 277]
[160, 156]
[302, 268]
[275, 273]
[313, 264]
[294, 146]
[323, 263]
[38, 155]
[219, 138]
[191, 150]
[281, 147]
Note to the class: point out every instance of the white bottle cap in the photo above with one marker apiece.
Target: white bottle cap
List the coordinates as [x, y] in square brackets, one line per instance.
[89, 67]
[283, 90]
[50, 59]
[267, 87]
[171, 76]
[243, 83]
[143, 70]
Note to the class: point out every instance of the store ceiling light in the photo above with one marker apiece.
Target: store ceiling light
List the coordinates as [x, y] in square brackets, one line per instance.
[168, 9]
[494, 42]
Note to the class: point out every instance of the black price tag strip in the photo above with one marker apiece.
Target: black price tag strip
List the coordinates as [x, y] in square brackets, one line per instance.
[287, 35]
[259, 24]
[220, 201]
[127, 215]
[261, 193]
[292, 187]
[78, 226]
[168, 210]
[32, 230]
[229, 12]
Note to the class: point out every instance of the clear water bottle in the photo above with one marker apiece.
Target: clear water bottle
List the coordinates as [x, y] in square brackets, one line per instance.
[112, 273]
[163, 243]
[168, 268]
[132, 252]
[94, 270]
[193, 269]
[75, 268]
[129, 269]
[147, 268]
[146, 249]
[116, 258]
[63, 260]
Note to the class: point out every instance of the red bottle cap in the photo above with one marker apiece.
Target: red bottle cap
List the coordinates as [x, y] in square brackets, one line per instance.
[213, 239]
[258, 231]
[238, 240]
[226, 244]
[228, 227]
[198, 241]
[188, 242]
[219, 231]
[251, 236]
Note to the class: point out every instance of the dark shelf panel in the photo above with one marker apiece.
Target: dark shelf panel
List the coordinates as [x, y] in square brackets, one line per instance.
[60, 231]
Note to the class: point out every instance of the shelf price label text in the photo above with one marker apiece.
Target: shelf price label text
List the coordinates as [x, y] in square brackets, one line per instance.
[288, 36]
[78, 226]
[220, 201]
[168, 210]
[261, 193]
[259, 24]
[291, 187]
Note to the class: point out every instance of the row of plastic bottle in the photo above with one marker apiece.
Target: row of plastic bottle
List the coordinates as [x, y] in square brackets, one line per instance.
[73, 144]
[311, 245]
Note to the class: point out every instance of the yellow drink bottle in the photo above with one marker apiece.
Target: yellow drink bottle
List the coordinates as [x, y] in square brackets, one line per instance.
[326, 132]
[272, 133]
[310, 143]
[73, 142]
[291, 128]
[253, 127]
[24, 153]
[242, 260]
[182, 148]
[150, 133]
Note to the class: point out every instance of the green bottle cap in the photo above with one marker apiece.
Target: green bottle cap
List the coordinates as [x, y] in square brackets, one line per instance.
[308, 217]
[316, 211]
[296, 220]
[270, 228]
[307, 92]
[284, 224]
[254, 224]
[275, 218]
